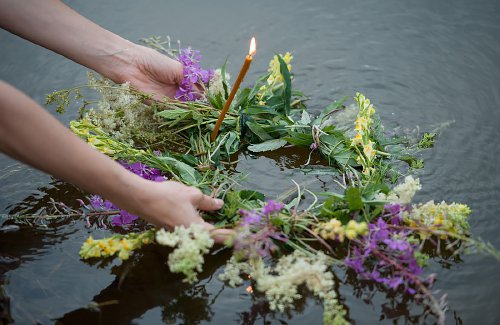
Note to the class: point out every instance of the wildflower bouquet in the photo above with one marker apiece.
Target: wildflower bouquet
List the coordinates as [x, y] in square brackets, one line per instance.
[370, 227]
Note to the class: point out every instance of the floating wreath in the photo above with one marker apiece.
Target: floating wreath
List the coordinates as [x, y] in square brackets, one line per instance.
[370, 226]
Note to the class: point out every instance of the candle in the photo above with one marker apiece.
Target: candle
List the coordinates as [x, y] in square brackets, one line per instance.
[236, 85]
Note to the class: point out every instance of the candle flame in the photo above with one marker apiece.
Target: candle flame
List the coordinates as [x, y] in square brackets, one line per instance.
[253, 47]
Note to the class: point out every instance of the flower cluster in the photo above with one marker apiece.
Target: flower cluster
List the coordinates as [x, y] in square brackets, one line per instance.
[190, 246]
[256, 231]
[193, 74]
[281, 283]
[117, 244]
[275, 78]
[334, 230]
[125, 218]
[362, 138]
[123, 114]
[452, 218]
[404, 192]
[387, 255]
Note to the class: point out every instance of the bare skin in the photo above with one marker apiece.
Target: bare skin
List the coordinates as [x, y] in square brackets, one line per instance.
[30, 134]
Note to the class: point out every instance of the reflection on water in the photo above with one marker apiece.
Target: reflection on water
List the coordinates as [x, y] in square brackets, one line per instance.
[421, 62]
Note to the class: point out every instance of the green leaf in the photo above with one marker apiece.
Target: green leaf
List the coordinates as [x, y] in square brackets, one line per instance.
[186, 172]
[269, 145]
[259, 131]
[172, 114]
[353, 198]
[305, 119]
[224, 81]
[232, 143]
[334, 148]
[251, 195]
[299, 139]
[335, 207]
[287, 96]
[242, 99]
[335, 105]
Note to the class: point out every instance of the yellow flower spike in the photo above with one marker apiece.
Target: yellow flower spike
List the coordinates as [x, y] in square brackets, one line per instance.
[371, 110]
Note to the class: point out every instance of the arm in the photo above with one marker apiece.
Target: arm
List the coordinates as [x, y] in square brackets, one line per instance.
[31, 135]
[55, 26]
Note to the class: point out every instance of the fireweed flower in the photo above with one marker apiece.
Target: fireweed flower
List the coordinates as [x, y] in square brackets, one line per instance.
[193, 74]
[124, 218]
[384, 253]
[256, 233]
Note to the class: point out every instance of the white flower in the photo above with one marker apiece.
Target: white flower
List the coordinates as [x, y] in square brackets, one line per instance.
[215, 85]
[191, 244]
[404, 192]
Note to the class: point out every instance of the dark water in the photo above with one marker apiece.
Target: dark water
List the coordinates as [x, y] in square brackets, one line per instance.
[421, 62]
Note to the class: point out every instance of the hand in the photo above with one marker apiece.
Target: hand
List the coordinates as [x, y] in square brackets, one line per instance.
[150, 71]
[169, 204]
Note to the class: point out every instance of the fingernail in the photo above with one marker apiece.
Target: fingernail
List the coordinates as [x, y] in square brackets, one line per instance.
[219, 202]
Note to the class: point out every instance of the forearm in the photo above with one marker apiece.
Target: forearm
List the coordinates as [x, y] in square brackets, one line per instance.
[30, 134]
[55, 26]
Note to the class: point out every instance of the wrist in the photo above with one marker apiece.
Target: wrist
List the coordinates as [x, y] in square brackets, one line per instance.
[117, 60]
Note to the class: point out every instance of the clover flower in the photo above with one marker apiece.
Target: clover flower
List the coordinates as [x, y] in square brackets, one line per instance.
[193, 74]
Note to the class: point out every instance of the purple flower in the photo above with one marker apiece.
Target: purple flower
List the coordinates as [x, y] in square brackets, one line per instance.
[125, 218]
[272, 207]
[385, 255]
[193, 73]
[249, 217]
[256, 233]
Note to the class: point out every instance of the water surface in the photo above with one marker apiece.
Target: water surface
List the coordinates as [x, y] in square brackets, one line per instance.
[421, 62]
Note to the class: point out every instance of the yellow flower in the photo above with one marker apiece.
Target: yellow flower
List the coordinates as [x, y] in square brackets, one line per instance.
[368, 150]
[357, 140]
[350, 233]
[361, 124]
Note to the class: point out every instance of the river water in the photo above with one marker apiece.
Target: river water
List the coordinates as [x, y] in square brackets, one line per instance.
[423, 63]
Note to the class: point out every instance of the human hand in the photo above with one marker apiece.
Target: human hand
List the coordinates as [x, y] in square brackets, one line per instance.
[149, 71]
[169, 204]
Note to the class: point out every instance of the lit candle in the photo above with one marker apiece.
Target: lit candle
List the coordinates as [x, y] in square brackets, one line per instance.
[236, 85]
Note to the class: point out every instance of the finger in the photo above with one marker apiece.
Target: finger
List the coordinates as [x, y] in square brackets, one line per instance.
[220, 236]
[208, 203]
